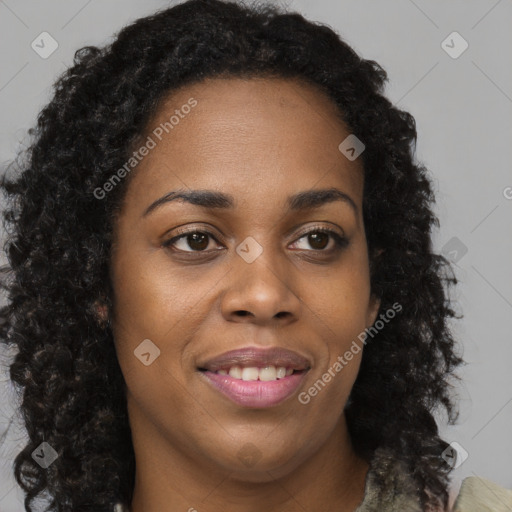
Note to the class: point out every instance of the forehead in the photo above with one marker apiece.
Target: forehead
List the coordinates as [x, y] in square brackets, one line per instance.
[253, 137]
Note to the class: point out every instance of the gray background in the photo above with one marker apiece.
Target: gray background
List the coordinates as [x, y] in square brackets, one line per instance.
[463, 110]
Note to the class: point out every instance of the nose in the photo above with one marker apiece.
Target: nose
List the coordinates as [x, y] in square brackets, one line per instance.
[260, 293]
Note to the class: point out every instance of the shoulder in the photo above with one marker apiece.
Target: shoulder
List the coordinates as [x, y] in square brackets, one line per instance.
[478, 494]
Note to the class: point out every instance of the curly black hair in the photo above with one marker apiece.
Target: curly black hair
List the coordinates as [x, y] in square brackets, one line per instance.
[59, 238]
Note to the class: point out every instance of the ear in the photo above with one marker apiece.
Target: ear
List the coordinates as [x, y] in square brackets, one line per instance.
[373, 309]
[374, 303]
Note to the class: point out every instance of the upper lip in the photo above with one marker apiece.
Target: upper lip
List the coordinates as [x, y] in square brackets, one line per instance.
[258, 357]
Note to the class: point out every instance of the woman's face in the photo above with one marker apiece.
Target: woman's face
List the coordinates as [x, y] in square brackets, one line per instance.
[251, 276]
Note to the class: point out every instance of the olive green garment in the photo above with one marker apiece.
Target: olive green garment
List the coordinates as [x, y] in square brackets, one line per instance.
[389, 488]
[479, 494]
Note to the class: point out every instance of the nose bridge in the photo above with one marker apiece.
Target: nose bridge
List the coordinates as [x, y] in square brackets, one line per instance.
[259, 284]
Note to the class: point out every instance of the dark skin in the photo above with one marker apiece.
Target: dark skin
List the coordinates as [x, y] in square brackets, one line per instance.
[260, 141]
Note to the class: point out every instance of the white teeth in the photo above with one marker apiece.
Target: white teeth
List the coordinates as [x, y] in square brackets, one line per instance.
[250, 373]
[236, 372]
[268, 373]
[253, 373]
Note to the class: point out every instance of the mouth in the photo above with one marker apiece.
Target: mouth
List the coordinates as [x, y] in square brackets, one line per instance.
[255, 377]
[255, 393]
[253, 373]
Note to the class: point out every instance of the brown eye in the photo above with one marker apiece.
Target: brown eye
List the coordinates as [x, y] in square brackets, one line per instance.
[193, 241]
[197, 241]
[318, 240]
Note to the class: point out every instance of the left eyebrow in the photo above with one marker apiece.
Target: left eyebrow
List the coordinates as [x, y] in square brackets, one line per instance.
[307, 199]
[315, 198]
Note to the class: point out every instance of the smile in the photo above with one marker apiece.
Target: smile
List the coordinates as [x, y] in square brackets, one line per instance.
[246, 387]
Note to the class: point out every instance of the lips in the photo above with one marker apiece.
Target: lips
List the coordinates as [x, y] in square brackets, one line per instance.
[254, 377]
[256, 357]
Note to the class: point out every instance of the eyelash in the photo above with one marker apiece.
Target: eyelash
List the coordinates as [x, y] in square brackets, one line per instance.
[339, 241]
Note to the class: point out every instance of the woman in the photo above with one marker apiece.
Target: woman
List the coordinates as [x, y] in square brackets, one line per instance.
[222, 288]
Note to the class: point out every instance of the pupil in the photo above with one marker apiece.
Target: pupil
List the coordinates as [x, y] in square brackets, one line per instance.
[314, 237]
[195, 237]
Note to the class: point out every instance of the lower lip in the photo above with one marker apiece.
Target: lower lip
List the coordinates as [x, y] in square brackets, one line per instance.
[255, 393]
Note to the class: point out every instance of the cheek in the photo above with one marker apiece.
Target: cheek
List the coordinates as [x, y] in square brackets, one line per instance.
[150, 300]
[149, 306]
[157, 394]
[160, 303]
[140, 289]
[340, 316]
[340, 304]
[341, 299]
[146, 307]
